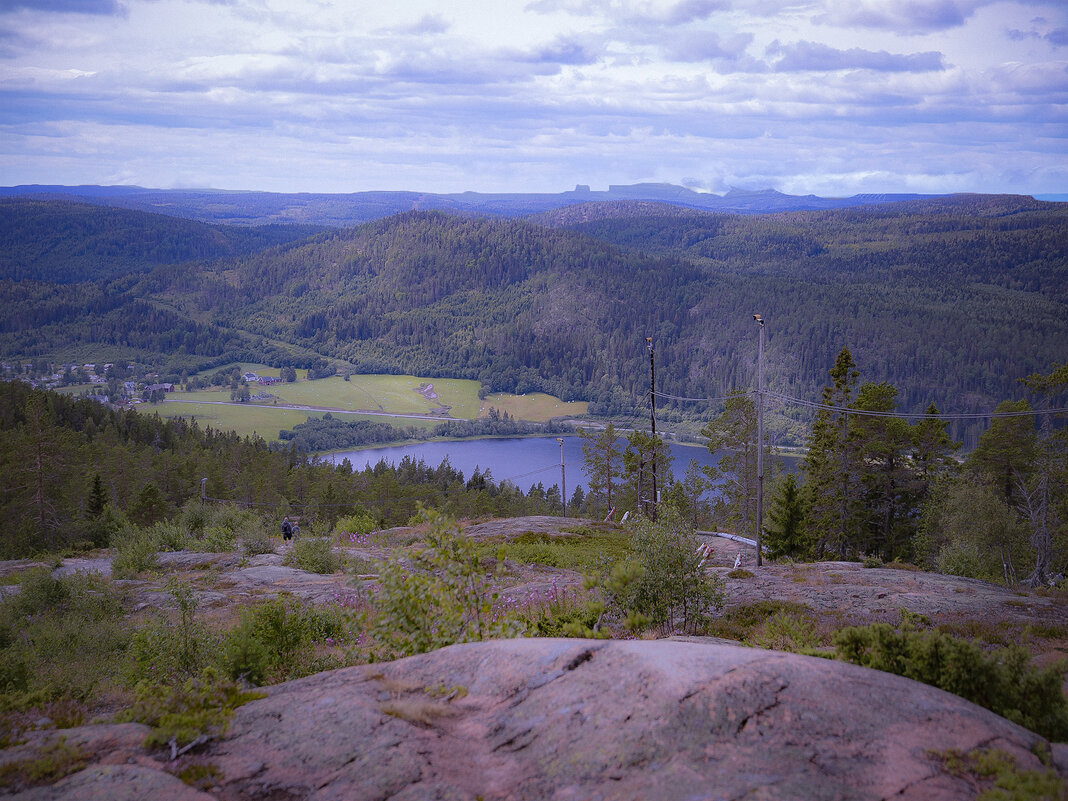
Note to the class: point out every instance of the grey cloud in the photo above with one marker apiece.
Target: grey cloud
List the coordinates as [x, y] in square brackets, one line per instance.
[688, 11]
[562, 51]
[1058, 37]
[64, 6]
[428, 24]
[813, 56]
[902, 16]
[694, 46]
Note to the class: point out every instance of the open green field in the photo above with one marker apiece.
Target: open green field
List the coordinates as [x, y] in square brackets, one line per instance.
[390, 394]
[395, 394]
[535, 406]
[249, 418]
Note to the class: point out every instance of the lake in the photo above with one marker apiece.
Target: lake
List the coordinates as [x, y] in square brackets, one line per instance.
[524, 461]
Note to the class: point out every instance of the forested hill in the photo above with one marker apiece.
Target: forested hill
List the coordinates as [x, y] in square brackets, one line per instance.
[950, 300]
[949, 306]
[1010, 241]
[67, 242]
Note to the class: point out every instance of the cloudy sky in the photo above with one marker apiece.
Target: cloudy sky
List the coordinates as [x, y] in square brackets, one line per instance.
[832, 97]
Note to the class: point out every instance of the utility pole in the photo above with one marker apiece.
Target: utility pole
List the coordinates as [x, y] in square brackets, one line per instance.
[652, 420]
[563, 483]
[760, 441]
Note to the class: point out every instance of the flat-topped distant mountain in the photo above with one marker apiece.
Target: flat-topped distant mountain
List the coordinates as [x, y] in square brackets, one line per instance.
[255, 208]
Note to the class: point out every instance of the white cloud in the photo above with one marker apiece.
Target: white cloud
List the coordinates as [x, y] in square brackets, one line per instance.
[308, 95]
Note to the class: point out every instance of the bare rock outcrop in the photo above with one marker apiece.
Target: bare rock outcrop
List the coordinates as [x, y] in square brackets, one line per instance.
[585, 719]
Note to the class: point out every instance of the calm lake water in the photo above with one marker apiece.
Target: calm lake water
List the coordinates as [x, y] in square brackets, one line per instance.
[522, 461]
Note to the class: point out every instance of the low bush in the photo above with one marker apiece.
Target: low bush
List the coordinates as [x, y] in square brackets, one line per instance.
[277, 640]
[354, 528]
[314, 554]
[164, 651]
[135, 552]
[60, 638]
[255, 540]
[786, 631]
[583, 549]
[436, 595]
[996, 776]
[662, 584]
[1003, 681]
[740, 622]
[200, 706]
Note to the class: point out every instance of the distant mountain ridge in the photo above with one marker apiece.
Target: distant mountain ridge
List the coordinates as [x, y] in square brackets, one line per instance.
[257, 208]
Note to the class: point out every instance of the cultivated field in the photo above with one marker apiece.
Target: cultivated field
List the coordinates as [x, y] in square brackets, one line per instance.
[388, 394]
[535, 406]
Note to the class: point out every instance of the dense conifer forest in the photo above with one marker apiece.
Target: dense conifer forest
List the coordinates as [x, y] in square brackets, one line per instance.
[950, 300]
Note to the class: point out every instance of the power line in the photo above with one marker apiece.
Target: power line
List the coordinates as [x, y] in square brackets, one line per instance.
[694, 400]
[865, 413]
[913, 416]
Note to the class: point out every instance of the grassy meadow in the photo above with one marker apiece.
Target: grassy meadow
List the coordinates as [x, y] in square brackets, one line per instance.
[387, 394]
[535, 406]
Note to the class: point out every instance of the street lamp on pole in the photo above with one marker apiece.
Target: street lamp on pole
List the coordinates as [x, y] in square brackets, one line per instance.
[760, 440]
[563, 483]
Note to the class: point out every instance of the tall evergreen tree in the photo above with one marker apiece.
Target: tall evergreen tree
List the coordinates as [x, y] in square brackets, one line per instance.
[831, 475]
[785, 535]
[1042, 495]
[881, 445]
[642, 448]
[735, 431]
[603, 460]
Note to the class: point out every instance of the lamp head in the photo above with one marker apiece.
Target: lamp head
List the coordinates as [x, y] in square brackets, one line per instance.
[759, 319]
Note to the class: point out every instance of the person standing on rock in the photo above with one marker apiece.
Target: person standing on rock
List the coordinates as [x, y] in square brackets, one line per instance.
[287, 529]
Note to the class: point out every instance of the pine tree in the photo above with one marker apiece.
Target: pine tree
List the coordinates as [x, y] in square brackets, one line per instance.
[832, 480]
[785, 534]
[603, 459]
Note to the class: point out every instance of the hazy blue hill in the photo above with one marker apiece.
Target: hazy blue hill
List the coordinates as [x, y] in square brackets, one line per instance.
[246, 208]
[68, 242]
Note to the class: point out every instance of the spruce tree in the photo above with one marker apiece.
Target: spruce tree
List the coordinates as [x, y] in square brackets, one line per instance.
[830, 467]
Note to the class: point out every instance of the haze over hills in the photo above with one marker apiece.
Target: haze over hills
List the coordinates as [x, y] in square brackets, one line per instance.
[254, 208]
[950, 299]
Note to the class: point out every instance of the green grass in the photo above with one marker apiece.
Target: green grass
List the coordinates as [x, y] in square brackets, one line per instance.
[583, 552]
[535, 406]
[246, 419]
[391, 394]
[386, 393]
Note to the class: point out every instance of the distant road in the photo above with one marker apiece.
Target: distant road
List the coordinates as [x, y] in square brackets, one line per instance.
[315, 409]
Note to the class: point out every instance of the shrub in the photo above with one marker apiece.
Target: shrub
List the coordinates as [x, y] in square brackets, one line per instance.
[437, 596]
[1003, 681]
[135, 552]
[786, 631]
[739, 623]
[71, 638]
[199, 706]
[999, 777]
[314, 554]
[169, 535]
[164, 652]
[53, 761]
[583, 548]
[255, 539]
[663, 583]
[276, 640]
[356, 526]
